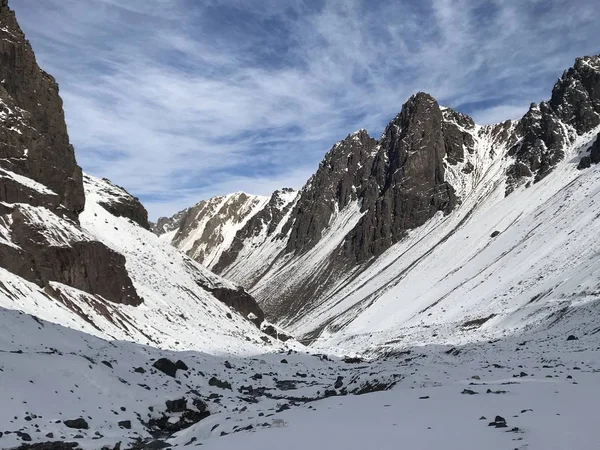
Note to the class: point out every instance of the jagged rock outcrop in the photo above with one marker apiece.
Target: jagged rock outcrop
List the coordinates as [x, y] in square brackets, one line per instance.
[399, 181]
[547, 128]
[345, 168]
[69, 258]
[120, 203]
[540, 148]
[41, 185]
[576, 96]
[241, 301]
[458, 130]
[594, 156]
[406, 186]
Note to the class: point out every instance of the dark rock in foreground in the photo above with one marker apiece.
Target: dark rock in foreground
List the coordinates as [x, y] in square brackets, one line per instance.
[78, 424]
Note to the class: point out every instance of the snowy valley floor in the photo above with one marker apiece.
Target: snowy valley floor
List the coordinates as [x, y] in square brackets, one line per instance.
[543, 385]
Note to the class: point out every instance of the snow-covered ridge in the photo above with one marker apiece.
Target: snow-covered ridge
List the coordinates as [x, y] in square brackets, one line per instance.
[496, 257]
[216, 226]
[178, 311]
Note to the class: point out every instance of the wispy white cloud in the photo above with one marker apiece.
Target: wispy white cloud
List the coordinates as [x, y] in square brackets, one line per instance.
[178, 100]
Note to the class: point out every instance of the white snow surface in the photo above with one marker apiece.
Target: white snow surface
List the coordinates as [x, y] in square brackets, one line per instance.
[542, 384]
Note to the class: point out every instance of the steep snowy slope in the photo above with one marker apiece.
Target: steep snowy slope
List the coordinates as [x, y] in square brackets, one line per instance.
[502, 264]
[184, 306]
[223, 230]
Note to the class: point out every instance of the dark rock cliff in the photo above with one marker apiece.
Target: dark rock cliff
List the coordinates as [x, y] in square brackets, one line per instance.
[406, 186]
[347, 165]
[33, 139]
[543, 132]
[41, 185]
[399, 181]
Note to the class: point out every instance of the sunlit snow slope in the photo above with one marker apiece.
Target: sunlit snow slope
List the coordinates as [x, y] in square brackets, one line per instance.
[456, 269]
[178, 310]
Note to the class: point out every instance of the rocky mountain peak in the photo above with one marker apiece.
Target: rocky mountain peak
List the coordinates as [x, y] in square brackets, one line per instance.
[545, 130]
[576, 95]
[406, 185]
[343, 170]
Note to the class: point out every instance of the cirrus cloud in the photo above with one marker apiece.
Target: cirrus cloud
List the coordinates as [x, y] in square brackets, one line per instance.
[178, 100]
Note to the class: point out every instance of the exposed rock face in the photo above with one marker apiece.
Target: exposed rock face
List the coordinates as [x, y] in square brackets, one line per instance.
[594, 156]
[573, 109]
[83, 264]
[241, 301]
[33, 136]
[123, 204]
[540, 147]
[576, 96]
[41, 185]
[406, 186]
[346, 166]
[399, 181]
[458, 130]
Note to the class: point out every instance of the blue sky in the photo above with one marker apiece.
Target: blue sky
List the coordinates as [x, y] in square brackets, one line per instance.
[179, 100]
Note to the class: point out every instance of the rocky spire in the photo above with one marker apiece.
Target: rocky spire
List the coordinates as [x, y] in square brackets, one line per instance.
[407, 185]
[340, 179]
[547, 128]
[399, 181]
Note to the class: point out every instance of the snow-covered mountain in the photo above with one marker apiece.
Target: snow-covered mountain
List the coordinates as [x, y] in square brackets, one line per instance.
[211, 231]
[452, 267]
[439, 222]
[181, 304]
